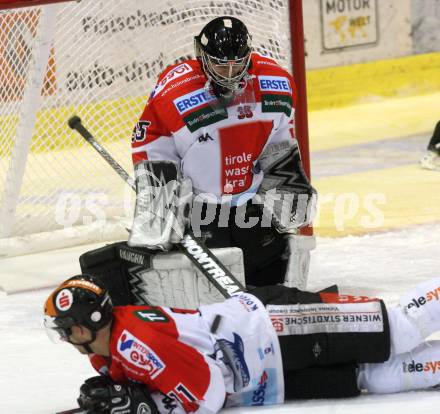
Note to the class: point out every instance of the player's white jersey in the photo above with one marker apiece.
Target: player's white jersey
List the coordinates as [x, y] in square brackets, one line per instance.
[217, 147]
[225, 354]
[248, 351]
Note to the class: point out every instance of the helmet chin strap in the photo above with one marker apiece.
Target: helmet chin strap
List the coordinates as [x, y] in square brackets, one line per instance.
[88, 349]
[242, 95]
[222, 92]
[86, 345]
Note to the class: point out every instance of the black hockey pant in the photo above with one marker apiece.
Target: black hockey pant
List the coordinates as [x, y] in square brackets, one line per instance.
[265, 251]
[324, 338]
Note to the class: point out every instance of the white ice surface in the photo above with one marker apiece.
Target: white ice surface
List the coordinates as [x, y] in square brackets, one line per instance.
[39, 377]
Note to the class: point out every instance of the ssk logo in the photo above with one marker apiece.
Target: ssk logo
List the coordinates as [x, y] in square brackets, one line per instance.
[139, 354]
[278, 324]
[64, 300]
[140, 131]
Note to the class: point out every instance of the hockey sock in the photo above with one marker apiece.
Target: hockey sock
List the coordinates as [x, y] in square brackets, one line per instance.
[418, 369]
[416, 317]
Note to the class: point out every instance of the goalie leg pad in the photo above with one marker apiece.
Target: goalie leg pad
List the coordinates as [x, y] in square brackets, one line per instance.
[317, 329]
[138, 276]
[106, 264]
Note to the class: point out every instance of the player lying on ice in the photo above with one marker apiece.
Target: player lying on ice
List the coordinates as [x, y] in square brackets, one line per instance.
[240, 352]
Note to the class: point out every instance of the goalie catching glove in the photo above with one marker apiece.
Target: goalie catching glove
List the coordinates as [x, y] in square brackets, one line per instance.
[163, 205]
[286, 193]
[100, 395]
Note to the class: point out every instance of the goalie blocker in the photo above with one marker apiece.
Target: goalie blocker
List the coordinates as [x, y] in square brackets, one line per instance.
[322, 335]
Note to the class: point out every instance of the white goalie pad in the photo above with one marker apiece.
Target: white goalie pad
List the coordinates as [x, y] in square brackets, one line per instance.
[174, 281]
[299, 260]
[163, 203]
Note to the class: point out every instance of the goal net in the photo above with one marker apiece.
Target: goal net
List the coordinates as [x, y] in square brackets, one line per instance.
[98, 59]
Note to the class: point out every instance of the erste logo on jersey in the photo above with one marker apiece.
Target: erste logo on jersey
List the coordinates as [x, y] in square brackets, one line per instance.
[139, 354]
[274, 84]
[64, 300]
[192, 100]
[175, 73]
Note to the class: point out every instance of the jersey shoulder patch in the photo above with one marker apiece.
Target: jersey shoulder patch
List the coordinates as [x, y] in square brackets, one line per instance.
[275, 84]
[176, 77]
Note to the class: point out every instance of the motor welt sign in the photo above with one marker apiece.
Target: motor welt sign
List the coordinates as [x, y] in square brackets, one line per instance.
[348, 23]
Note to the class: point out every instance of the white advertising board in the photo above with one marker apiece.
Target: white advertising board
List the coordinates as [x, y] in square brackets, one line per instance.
[349, 23]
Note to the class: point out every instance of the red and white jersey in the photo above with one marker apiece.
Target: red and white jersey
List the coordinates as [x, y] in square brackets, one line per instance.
[187, 367]
[217, 147]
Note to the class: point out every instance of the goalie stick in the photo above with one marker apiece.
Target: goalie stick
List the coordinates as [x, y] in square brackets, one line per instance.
[75, 123]
[72, 411]
[200, 255]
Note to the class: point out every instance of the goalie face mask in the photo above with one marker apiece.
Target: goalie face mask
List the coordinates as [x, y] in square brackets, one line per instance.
[224, 48]
[220, 98]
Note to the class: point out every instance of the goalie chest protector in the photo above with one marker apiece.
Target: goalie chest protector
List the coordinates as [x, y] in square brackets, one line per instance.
[217, 146]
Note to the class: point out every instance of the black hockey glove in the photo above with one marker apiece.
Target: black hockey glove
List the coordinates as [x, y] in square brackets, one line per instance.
[287, 195]
[100, 395]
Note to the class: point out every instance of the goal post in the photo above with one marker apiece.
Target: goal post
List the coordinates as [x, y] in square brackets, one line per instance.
[100, 59]
[16, 4]
[30, 103]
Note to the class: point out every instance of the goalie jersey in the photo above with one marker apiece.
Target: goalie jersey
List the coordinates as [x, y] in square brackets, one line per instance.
[217, 146]
[222, 355]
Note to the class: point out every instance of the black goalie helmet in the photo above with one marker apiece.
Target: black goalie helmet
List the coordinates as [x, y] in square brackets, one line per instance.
[224, 48]
[80, 300]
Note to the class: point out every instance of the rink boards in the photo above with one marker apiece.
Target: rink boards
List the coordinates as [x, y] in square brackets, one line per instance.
[365, 166]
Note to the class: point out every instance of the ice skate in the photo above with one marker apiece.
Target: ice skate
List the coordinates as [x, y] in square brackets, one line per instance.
[431, 161]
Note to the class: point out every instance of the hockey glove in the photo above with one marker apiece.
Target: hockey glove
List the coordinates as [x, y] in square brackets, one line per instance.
[286, 193]
[100, 395]
[163, 205]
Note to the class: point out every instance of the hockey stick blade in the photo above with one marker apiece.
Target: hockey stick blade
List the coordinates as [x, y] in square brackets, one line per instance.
[213, 269]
